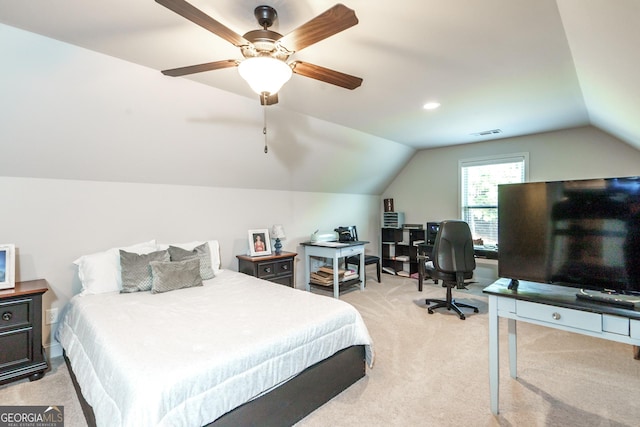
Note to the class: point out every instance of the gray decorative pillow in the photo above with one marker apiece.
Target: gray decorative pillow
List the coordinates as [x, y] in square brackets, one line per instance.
[136, 273]
[169, 276]
[201, 252]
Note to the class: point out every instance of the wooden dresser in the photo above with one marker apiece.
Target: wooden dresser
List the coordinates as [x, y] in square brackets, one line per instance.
[21, 352]
[275, 268]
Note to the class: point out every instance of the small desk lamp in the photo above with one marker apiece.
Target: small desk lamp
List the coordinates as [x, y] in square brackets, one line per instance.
[277, 232]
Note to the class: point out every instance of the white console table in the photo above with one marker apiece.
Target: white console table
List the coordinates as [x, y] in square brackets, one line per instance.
[555, 307]
[334, 251]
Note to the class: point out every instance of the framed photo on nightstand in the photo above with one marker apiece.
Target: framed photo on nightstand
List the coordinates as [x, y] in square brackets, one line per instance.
[7, 266]
[259, 242]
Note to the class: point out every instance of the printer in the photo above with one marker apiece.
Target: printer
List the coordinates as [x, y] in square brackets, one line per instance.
[318, 236]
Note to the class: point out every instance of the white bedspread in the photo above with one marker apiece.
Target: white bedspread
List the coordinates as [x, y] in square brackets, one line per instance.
[186, 357]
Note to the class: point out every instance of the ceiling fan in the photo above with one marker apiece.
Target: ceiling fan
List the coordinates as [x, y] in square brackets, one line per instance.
[266, 51]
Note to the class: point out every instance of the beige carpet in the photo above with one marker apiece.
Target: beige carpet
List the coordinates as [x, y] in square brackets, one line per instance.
[54, 389]
[431, 370]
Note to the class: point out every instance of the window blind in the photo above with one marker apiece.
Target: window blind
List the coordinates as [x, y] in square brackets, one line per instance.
[479, 179]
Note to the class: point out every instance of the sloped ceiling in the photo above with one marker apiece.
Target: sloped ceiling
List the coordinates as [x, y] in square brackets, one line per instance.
[604, 38]
[523, 66]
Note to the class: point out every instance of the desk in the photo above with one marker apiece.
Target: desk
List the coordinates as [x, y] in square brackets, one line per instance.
[426, 249]
[555, 307]
[335, 251]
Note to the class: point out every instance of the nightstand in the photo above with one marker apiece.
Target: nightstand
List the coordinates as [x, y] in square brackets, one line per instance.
[274, 268]
[21, 352]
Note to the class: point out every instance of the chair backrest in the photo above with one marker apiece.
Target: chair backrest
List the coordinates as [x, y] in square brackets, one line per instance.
[347, 234]
[453, 248]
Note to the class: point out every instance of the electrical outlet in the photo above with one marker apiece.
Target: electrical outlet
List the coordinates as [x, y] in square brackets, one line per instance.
[51, 316]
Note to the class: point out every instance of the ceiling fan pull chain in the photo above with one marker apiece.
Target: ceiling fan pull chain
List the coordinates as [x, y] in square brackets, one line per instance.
[264, 129]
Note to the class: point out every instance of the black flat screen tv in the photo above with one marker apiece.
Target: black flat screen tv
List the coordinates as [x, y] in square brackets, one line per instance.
[580, 233]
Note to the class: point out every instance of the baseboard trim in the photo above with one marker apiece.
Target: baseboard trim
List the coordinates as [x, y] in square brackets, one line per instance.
[53, 350]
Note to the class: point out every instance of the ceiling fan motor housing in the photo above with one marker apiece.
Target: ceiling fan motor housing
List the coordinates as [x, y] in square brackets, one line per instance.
[265, 15]
[263, 43]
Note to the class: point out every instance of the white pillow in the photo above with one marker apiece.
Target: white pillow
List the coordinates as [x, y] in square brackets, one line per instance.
[214, 249]
[100, 272]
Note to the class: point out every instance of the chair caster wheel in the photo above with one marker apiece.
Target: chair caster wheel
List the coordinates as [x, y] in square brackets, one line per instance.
[430, 311]
[462, 317]
[475, 310]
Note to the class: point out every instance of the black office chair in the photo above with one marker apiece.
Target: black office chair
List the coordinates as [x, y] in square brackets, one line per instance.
[350, 233]
[453, 262]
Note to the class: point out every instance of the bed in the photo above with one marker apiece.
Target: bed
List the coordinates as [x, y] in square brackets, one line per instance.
[234, 350]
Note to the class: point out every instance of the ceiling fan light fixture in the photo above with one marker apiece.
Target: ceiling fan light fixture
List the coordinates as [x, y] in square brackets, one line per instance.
[265, 74]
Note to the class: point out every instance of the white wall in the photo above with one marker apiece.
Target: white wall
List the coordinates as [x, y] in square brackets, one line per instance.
[427, 188]
[53, 222]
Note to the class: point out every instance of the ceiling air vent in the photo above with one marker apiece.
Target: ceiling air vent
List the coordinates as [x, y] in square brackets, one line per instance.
[487, 132]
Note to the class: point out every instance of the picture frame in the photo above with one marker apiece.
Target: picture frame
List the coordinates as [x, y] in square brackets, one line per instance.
[259, 242]
[7, 266]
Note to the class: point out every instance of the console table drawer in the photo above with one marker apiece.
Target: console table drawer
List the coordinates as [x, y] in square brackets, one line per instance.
[560, 316]
[634, 326]
[507, 304]
[615, 324]
[348, 251]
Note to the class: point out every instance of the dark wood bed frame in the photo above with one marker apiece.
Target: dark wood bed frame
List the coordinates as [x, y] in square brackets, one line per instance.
[288, 403]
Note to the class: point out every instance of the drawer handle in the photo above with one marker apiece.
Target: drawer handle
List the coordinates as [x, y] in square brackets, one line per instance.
[7, 315]
[267, 270]
[285, 267]
[556, 316]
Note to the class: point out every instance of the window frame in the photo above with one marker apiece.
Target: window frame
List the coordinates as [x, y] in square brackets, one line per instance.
[484, 161]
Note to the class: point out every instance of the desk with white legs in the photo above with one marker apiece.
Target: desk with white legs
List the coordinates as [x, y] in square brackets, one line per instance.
[334, 251]
[555, 307]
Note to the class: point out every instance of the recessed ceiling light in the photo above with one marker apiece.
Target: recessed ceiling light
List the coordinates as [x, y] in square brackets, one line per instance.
[431, 105]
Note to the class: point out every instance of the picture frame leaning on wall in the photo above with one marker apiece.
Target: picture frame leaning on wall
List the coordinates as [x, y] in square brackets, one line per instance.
[259, 242]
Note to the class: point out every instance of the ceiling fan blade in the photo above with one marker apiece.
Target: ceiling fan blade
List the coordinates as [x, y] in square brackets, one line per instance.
[192, 69]
[336, 19]
[270, 100]
[197, 16]
[326, 75]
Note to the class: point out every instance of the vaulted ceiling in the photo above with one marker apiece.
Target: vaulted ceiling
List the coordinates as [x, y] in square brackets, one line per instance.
[517, 66]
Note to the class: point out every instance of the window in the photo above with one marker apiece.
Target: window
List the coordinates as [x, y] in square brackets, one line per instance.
[479, 179]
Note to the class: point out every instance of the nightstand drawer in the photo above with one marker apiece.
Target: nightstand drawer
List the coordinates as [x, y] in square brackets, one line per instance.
[266, 270]
[15, 314]
[284, 267]
[278, 268]
[17, 347]
[276, 271]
